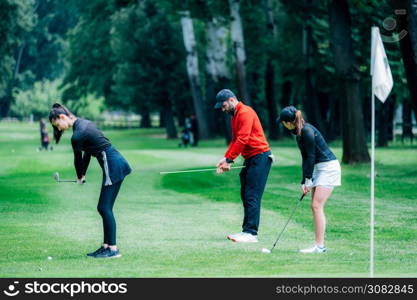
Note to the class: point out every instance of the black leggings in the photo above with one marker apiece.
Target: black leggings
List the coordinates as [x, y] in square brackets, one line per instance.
[108, 195]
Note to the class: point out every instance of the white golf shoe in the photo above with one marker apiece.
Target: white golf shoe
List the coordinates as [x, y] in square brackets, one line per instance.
[243, 237]
[314, 249]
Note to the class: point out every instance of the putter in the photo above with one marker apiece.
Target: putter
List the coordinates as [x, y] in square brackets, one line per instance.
[57, 179]
[265, 250]
[198, 170]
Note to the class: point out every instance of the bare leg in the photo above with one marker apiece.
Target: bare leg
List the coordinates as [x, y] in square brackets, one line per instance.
[319, 198]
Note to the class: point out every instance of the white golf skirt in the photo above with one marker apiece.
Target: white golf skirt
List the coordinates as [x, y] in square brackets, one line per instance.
[327, 174]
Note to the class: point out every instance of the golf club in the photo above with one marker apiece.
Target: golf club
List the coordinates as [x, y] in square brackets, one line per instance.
[57, 179]
[198, 170]
[265, 250]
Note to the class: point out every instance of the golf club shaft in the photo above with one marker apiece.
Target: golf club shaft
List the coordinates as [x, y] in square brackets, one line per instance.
[58, 179]
[289, 219]
[199, 170]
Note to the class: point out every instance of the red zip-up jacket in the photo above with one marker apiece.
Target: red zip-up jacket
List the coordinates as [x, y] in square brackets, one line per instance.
[248, 137]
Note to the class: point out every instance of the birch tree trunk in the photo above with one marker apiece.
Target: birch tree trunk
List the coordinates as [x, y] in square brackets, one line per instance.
[239, 50]
[218, 74]
[193, 74]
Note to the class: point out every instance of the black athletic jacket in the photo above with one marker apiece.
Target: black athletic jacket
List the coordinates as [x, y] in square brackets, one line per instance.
[314, 150]
[86, 137]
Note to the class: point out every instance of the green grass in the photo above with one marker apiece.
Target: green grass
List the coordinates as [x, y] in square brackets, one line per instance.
[175, 225]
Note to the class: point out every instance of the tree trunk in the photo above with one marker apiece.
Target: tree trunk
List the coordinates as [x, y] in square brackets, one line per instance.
[407, 127]
[145, 121]
[218, 75]
[412, 27]
[169, 122]
[409, 55]
[383, 122]
[391, 112]
[273, 129]
[161, 119]
[5, 103]
[354, 142]
[286, 92]
[334, 120]
[311, 102]
[239, 51]
[7, 100]
[193, 74]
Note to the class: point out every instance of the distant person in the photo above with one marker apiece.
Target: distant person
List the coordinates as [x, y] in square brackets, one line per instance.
[321, 169]
[44, 135]
[185, 138]
[189, 128]
[88, 139]
[194, 130]
[248, 139]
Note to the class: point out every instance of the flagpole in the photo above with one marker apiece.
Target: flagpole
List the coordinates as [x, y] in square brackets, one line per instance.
[382, 84]
[372, 221]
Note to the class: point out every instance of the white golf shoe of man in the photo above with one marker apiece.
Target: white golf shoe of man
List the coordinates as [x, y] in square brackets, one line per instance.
[243, 237]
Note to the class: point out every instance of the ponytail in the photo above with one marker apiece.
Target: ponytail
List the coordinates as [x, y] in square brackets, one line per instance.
[299, 122]
[57, 110]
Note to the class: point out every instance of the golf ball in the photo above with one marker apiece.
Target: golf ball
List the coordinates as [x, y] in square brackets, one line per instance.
[49, 257]
[264, 250]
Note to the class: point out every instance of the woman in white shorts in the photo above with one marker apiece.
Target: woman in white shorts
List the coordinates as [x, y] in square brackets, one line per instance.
[321, 169]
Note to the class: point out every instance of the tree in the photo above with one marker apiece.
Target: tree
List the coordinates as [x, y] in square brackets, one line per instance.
[43, 47]
[217, 71]
[311, 102]
[354, 143]
[408, 44]
[193, 72]
[239, 52]
[148, 75]
[16, 20]
[270, 93]
[90, 58]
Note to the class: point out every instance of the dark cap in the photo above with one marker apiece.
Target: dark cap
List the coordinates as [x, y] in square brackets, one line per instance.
[287, 114]
[223, 96]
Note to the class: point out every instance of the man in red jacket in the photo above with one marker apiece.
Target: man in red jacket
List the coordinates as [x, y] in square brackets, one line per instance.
[248, 139]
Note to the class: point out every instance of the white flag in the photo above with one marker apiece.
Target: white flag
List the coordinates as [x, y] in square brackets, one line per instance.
[380, 71]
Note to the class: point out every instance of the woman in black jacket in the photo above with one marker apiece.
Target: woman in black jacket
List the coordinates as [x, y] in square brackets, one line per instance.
[321, 169]
[88, 139]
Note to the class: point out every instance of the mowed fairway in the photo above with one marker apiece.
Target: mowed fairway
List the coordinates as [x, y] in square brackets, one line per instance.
[175, 225]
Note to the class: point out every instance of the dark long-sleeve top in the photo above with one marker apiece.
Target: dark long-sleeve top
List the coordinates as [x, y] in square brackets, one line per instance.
[314, 149]
[88, 139]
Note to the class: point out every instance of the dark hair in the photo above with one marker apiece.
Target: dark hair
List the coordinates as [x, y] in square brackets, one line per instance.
[57, 110]
[299, 122]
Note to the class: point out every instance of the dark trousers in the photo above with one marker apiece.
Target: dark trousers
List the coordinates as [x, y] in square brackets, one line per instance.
[108, 195]
[252, 184]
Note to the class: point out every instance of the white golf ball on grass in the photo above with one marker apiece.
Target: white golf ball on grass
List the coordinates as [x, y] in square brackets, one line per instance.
[49, 257]
[264, 250]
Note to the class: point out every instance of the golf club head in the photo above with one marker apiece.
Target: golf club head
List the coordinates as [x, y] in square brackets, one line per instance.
[56, 176]
[58, 179]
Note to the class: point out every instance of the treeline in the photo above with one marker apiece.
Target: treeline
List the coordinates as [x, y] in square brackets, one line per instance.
[171, 57]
